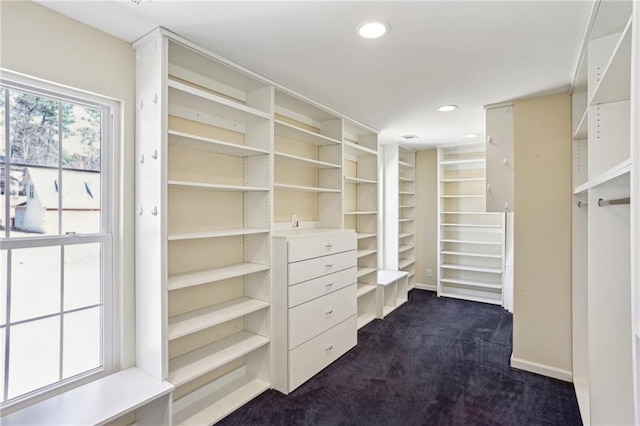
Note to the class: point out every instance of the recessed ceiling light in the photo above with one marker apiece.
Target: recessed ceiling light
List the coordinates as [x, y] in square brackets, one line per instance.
[471, 135]
[447, 108]
[371, 29]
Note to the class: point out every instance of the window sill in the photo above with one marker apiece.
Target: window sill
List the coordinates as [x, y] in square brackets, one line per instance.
[98, 402]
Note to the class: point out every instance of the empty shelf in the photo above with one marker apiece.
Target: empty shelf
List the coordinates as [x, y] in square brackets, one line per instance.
[404, 263]
[303, 188]
[304, 162]
[213, 145]
[404, 179]
[289, 131]
[402, 249]
[462, 161]
[357, 150]
[463, 196]
[191, 322]
[217, 233]
[407, 193]
[478, 179]
[491, 243]
[363, 235]
[405, 165]
[358, 180]
[472, 268]
[207, 358]
[406, 219]
[189, 279]
[365, 288]
[468, 254]
[216, 186]
[471, 283]
[405, 235]
[365, 271]
[361, 212]
[474, 213]
[470, 225]
[406, 207]
[366, 252]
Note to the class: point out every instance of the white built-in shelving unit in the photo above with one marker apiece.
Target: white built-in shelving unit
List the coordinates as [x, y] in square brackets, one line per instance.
[406, 213]
[604, 339]
[360, 203]
[471, 241]
[203, 203]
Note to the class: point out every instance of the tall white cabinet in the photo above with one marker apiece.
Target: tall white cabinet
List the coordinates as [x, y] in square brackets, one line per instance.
[407, 213]
[471, 241]
[603, 222]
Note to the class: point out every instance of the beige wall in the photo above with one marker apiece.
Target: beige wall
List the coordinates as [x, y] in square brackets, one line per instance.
[542, 229]
[426, 216]
[44, 44]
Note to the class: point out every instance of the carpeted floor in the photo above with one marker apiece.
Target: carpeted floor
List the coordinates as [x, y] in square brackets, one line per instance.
[433, 361]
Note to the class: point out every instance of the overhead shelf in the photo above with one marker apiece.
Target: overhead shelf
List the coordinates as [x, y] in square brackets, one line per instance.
[201, 361]
[304, 162]
[189, 279]
[615, 83]
[197, 99]
[289, 131]
[216, 186]
[191, 322]
[356, 150]
[213, 145]
[611, 174]
[303, 188]
[472, 268]
[231, 232]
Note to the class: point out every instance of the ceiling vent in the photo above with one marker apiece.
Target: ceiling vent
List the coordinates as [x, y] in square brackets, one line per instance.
[410, 137]
[137, 1]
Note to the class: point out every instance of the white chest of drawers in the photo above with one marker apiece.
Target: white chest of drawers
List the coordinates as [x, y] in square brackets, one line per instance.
[314, 302]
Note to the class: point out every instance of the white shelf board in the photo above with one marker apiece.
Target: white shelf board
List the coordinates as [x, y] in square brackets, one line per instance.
[404, 164]
[582, 128]
[364, 319]
[474, 213]
[216, 186]
[304, 162]
[303, 188]
[472, 298]
[615, 83]
[406, 207]
[403, 263]
[231, 232]
[365, 252]
[470, 225]
[361, 212]
[406, 219]
[365, 271]
[611, 174]
[405, 179]
[365, 288]
[462, 161]
[191, 322]
[217, 404]
[464, 196]
[213, 145]
[471, 283]
[358, 180]
[405, 235]
[402, 249]
[189, 279]
[580, 189]
[469, 254]
[196, 363]
[200, 100]
[480, 179]
[491, 243]
[471, 268]
[289, 131]
[406, 193]
[386, 277]
[357, 150]
[363, 235]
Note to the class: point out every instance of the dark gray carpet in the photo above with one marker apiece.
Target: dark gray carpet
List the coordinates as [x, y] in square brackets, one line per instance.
[433, 361]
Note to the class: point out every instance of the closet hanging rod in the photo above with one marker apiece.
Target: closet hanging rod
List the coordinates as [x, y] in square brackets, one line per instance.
[624, 200]
[582, 204]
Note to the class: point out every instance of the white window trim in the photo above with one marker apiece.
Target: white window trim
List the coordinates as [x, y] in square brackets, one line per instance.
[111, 171]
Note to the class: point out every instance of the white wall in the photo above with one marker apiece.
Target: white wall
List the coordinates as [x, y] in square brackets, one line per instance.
[44, 44]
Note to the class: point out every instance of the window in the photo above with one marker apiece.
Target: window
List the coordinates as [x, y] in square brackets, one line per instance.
[56, 238]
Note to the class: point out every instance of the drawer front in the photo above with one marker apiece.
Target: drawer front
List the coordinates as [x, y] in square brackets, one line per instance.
[309, 358]
[321, 266]
[308, 248]
[312, 289]
[316, 316]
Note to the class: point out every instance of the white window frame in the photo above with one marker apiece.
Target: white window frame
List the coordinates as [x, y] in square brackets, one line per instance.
[111, 233]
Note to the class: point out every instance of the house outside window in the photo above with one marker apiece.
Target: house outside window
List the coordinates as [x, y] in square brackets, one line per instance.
[56, 239]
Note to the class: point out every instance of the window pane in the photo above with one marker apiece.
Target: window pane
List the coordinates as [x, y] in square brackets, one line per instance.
[34, 354]
[82, 346]
[3, 335]
[36, 211]
[2, 145]
[3, 287]
[80, 202]
[35, 282]
[82, 275]
[81, 143]
[34, 129]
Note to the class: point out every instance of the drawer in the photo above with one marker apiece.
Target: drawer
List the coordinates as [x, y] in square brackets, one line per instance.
[312, 289]
[309, 358]
[308, 248]
[321, 266]
[318, 315]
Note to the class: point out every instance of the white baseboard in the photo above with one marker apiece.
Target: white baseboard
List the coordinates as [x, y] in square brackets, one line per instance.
[428, 287]
[544, 370]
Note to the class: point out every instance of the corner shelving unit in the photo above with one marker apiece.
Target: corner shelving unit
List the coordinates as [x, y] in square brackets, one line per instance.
[406, 213]
[471, 247]
[203, 179]
[602, 290]
[360, 203]
[308, 163]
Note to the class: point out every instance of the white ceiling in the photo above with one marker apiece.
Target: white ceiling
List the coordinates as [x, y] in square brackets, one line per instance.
[469, 53]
